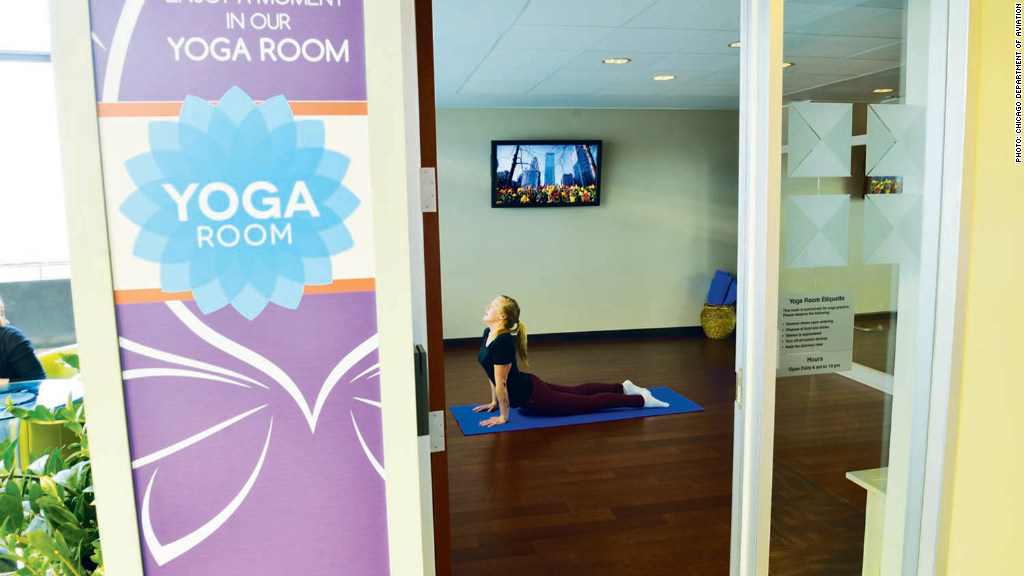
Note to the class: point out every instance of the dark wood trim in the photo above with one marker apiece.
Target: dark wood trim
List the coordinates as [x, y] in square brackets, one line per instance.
[677, 332]
[432, 279]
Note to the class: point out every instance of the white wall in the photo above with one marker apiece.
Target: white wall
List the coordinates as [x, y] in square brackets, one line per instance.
[643, 259]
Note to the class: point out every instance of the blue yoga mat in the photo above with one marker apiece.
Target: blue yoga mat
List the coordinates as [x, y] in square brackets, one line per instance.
[469, 421]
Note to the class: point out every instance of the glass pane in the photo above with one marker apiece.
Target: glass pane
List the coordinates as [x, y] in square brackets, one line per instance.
[32, 225]
[853, 208]
[24, 26]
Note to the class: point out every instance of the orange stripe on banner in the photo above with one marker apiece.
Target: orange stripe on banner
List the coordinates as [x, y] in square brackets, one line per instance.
[300, 108]
[157, 295]
[148, 295]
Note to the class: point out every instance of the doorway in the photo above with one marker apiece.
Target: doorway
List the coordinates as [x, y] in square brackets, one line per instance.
[527, 524]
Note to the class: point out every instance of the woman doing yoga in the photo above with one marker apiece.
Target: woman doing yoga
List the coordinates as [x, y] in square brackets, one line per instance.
[504, 338]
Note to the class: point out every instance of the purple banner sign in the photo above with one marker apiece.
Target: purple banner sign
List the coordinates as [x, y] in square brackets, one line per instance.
[257, 445]
[246, 317]
[163, 50]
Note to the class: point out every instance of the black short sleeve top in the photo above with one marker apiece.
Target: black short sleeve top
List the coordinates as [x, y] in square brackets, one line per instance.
[503, 351]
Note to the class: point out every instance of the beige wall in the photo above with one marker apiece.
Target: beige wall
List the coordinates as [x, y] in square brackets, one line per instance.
[643, 259]
[987, 496]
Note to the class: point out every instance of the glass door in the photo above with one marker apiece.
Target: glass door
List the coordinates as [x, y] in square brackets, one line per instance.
[842, 185]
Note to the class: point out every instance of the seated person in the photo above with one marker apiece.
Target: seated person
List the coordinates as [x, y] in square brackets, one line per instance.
[18, 360]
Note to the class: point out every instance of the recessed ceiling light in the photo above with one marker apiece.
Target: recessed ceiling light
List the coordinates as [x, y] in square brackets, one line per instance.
[664, 77]
[882, 90]
[787, 64]
[616, 61]
[734, 44]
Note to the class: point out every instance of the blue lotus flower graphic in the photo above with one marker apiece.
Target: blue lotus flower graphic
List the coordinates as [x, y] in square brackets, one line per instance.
[240, 203]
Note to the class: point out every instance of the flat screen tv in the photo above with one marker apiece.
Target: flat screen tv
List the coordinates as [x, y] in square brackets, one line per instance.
[545, 173]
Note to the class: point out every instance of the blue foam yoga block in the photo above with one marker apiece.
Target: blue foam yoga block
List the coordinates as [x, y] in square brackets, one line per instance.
[730, 296]
[719, 288]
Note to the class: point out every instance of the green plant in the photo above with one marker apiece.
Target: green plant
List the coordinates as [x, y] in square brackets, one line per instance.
[70, 360]
[47, 512]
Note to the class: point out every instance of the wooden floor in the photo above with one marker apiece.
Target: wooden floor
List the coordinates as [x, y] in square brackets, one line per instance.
[652, 496]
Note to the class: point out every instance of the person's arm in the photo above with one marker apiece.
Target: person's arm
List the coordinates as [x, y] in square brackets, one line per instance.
[22, 361]
[488, 407]
[501, 391]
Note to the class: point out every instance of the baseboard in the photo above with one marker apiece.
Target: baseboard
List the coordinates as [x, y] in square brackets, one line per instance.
[678, 332]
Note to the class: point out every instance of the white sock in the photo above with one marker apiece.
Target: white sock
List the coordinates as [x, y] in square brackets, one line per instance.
[630, 388]
[650, 401]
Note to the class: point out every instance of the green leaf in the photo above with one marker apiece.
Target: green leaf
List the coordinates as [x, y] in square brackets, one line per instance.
[65, 413]
[44, 543]
[13, 489]
[66, 478]
[70, 360]
[12, 513]
[55, 464]
[48, 501]
[39, 465]
[74, 427]
[24, 572]
[16, 411]
[49, 487]
[74, 535]
[58, 515]
[37, 524]
[34, 494]
[10, 453]
[62, 544]
[40, 414]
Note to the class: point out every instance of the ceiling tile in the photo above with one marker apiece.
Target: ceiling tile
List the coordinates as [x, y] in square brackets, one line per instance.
[698, 89]
[547, 53]
[553, 86]
[835, 46]
[511, 85]
[892, 52]
[850, 67]
[868, 3]
[602, 74]
[636, 88]
[829, 18]
[699, 14]
[722, 79]
[581, 12]
[652, 39]
[495, 73]
[681, 76]
[528, 58]
[888, 24]
[594, 58]
[521, 37]
[796, 82]
[716, 44]
[710, 62]
[458, 53]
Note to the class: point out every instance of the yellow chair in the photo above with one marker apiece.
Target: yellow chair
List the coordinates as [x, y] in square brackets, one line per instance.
[40, 437]
[52, 363]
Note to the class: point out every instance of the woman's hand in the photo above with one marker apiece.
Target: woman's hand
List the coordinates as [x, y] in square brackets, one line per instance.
[486, 407]
[494, 421]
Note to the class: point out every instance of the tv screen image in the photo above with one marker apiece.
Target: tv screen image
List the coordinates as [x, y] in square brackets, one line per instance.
[545, 173]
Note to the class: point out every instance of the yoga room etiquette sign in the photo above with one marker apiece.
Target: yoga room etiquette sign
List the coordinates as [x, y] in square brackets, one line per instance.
[236, 167]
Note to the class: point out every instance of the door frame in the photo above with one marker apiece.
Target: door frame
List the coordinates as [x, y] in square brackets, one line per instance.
[441, 513]
[937, 378]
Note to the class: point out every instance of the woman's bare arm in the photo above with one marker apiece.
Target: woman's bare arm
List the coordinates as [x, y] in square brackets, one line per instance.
[501, 392]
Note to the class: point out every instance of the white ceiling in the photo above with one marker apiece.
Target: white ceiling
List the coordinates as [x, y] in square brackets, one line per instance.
[548, 53]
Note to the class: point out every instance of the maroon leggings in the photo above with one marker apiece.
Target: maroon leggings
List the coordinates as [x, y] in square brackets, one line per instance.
[551, 400]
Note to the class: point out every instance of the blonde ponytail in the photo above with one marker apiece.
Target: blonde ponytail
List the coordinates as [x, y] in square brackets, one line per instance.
[511, 312]
[520, 335]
